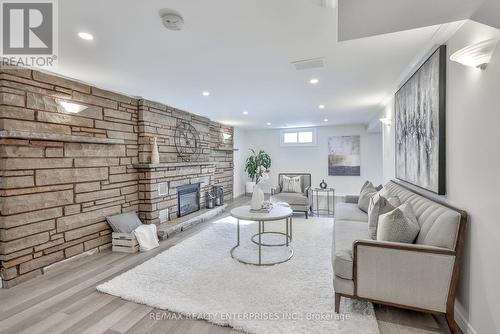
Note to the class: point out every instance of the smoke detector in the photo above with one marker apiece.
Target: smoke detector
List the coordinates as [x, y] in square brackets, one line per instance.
[171, 19]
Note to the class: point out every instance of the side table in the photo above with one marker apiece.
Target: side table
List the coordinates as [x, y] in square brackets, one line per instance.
[316, 193]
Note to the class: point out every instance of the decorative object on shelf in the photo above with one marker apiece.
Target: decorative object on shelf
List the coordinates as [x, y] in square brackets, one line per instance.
[209, 200]
[420, 125]
[323, 184]
[477, 55]
[344, 157]
[155, 155]
[219, 195]
[258, 192]
[187, 142]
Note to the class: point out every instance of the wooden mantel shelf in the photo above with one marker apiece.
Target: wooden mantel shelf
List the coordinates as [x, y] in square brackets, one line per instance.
[58, 137]
[173, 164]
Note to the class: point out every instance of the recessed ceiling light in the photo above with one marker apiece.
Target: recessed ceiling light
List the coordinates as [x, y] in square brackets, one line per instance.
[268, 123]
[325, 120]
[245, 112]
[86, 36]
[313, 81]
[205, 93]
[321, 106]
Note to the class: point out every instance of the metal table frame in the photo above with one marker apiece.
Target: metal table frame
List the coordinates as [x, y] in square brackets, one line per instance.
[327, 211]
[288, 239]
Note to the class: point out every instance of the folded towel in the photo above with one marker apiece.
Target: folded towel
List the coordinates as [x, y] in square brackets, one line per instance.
[147, 237]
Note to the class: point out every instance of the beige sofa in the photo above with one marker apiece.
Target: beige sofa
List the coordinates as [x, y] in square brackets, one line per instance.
[421, 276]
[298, 201]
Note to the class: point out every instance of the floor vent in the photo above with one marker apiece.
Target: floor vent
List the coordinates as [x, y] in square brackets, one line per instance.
[163, 215]
[163, 189]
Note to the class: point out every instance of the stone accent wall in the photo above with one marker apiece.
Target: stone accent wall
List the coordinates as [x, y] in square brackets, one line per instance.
[62, 173]
[213, 166]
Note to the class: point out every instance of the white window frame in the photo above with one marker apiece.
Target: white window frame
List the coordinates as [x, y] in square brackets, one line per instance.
[297, 144]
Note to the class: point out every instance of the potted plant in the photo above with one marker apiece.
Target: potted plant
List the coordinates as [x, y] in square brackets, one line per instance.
[255, 166]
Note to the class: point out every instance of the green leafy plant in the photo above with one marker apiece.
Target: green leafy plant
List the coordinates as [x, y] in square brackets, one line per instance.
[256, 164]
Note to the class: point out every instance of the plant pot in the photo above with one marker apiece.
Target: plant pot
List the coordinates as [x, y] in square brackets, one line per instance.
[249, 187]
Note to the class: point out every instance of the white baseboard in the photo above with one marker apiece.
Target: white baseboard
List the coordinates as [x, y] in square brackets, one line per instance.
[462, 321]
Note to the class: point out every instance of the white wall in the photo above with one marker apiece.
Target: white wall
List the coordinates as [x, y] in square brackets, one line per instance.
[314, 159]
[473, 176]
[240, 143]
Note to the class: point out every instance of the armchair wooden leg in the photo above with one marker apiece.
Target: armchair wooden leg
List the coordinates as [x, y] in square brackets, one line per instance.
[450, 319]
[337, 302]
[306, 215]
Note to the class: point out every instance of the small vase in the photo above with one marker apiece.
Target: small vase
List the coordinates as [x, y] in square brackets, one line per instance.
[323, 185]
[257, 198]
[155, 155]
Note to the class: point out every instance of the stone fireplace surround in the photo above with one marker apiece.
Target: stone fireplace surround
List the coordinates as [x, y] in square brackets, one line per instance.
[63, 173]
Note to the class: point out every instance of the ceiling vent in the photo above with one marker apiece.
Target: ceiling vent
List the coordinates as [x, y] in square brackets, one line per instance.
[171, 19]
[306, 64]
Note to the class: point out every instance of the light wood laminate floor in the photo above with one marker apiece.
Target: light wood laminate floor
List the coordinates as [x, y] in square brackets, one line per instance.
[65, 300]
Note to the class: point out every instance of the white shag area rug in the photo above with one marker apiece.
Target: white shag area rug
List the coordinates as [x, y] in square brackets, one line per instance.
[198, 278]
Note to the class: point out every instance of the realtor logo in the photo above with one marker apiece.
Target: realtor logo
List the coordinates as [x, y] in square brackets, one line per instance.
[29, 33]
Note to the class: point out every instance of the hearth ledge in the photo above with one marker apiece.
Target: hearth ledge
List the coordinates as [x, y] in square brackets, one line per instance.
[166, 230]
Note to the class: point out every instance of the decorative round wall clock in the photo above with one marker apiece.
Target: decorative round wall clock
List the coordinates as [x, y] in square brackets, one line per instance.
[187, 142]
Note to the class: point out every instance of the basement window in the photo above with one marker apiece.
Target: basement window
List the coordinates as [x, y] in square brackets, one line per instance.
[298, 137]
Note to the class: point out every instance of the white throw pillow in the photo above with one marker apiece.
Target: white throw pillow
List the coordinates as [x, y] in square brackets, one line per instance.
[291, 184]
[379, 205]
[367, 191]
[398, 225]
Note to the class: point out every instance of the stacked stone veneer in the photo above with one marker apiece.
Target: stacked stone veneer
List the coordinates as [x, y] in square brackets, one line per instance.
[61, 174]
[213, 166]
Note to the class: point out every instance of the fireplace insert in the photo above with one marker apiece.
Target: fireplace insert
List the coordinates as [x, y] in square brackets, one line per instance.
[188, 199]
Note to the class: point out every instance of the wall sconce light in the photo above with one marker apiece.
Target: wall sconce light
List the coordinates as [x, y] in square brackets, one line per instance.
[477, 55]
[386, 121]
[71, 107]
[226, 136]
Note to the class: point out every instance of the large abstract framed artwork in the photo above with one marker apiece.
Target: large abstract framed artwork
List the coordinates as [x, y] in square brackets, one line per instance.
[420, 113]
[344, 156]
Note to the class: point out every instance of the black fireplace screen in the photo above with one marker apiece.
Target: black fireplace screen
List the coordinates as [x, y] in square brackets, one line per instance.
[188, 199]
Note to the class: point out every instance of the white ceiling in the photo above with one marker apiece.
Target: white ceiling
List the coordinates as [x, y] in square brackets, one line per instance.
[362, 18]
[240, 51]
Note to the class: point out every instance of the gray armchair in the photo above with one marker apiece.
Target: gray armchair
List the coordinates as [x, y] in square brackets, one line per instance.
[298, 201]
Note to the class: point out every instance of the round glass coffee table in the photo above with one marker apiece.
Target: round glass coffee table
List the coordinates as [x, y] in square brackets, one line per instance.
[278, 212]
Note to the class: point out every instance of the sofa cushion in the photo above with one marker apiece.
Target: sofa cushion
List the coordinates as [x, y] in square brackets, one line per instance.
[366, 194]
[399, 225]
[378, 206]
[345, 233]
[124, 223]
[291, 198]
[350, 211]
